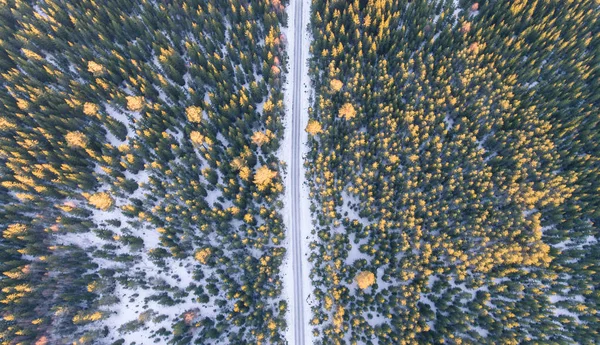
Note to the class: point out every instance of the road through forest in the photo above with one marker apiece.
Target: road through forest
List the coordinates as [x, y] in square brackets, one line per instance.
[296, 165]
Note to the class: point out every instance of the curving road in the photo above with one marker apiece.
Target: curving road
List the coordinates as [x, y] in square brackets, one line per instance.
[296, 162]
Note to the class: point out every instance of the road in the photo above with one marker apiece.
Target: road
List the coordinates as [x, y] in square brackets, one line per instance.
[296, 164]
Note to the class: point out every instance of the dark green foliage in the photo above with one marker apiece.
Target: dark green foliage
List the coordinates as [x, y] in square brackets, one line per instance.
[467, 179]
[94, 98]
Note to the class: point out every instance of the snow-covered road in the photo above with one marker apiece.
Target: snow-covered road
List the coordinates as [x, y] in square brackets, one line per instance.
[296, 210]
[295, 165]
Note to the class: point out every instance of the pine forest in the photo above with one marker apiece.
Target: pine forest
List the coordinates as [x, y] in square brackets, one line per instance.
[446, 188]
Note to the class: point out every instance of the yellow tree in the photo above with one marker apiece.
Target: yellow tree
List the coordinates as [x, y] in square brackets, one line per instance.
[95, 68]
[102, 201]
[194, 114]
[245, 173]
[135, 103]
[202, 255]
[338, 318]
[313, 127]
[90, 108]
[76, 139]
[347, 111]
[260, 138]
[336, 85]
[14, 231]
[197, 138]
[264, 177]
[365, 279]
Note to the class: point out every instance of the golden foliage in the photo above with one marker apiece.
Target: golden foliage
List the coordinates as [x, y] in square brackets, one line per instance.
[465, 28]
[14, 230]
[30, 54]
[264, 177]
[260, 138]
[197, 138]
[328, 302]
[81, 317]
[365, 279]
[474, 48]
[313, 127]
[6, 125]
[336, 85]
[165, 54]
[22, 104]
[347, 111]
[101, 200]
[517, 6]
[268, 106]
[135, 103]
[237, 163]
[76, 139]
[95, 68]
[245, 173]
[194, 114]
[92, 286]
[202, 255]
[90, 108]
[338, 318]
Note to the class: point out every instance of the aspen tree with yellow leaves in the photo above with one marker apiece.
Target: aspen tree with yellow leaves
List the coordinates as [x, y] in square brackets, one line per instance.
[135, 103]
[365, 279]
[336, 85]
[76, 139]
[313, 128]
[347, 111]
[194, 114]
[95, 68]
[101, 200]
[264, 177]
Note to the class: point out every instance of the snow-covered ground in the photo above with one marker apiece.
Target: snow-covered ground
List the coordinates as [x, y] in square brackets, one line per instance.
[285, 155]
[305, 215]
[130, 306]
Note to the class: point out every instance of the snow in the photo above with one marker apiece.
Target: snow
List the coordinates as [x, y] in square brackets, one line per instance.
[178, 274]
[563, 311]
[482, 332]
[304, 189]
[119, 115]
[457, 9]
[285, 155]
[142, 178]
[113, 140]
[449, 122]
[133, 302]
[355, 253]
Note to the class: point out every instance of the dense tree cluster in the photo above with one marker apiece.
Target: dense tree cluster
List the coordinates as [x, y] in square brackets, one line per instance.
[125, 121]
[453, 154]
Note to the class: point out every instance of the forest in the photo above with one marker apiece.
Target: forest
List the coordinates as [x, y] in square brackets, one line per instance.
[139, 182]
[453, 164]
[454, 169]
